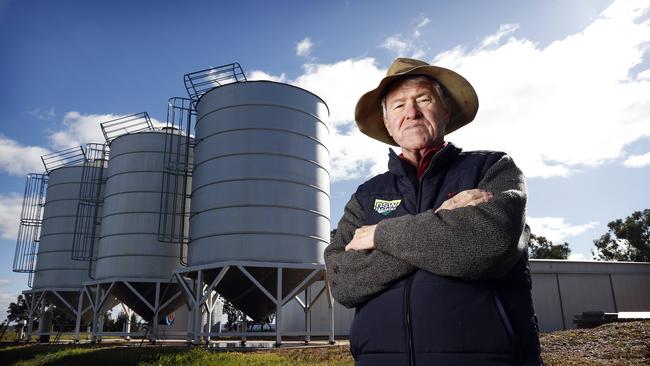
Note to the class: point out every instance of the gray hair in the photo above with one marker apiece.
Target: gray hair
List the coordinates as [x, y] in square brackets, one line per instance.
[437, 89]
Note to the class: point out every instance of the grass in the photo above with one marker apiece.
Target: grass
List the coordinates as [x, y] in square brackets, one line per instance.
[610, 344]
[74, 355]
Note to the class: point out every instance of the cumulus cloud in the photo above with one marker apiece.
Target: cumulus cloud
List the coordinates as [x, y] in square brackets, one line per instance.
[262, 75]
[403, 46]
[80, 129]
[494, 39]
[637, 161]
[10, 207]
[303, 48]
[561, 108]
[556, 229]
[18, 160]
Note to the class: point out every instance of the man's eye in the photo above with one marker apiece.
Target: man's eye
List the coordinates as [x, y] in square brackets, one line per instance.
[398, 106]
[424, 100]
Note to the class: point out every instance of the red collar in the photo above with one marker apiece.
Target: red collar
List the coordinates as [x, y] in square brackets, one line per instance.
[426, 158]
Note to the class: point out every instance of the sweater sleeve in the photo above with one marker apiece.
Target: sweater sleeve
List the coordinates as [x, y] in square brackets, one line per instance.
[474, 242]
[356, 276]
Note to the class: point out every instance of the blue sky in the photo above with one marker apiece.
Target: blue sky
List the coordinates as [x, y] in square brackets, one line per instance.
[564, 86]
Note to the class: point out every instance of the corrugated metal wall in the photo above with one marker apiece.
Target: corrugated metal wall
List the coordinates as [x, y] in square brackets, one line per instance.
[561, 290]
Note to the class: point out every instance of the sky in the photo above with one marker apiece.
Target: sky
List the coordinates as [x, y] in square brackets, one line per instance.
[564, 87]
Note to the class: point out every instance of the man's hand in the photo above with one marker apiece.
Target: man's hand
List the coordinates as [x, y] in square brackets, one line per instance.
[470, 197]
[363, 239]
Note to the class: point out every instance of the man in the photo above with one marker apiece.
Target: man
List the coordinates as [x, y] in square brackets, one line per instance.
[432, 253]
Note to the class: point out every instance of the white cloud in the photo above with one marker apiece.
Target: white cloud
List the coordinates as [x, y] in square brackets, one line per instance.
[303, 48]
[556, 229]
[644, 75]
[402, 46]
[494, 39]
[18, 160]
[579, 257]
[637, 161]
[42, 113]
[10, 207]
[261, 75]
[80, 129]
[564, 107]
[423, 22]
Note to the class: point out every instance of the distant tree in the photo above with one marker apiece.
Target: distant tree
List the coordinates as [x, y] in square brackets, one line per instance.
[626, 240]
[541, 248]
[234, 315]
[135, 326]
[18, 310]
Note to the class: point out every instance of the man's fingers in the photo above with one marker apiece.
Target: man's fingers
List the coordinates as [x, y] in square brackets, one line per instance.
[470, 197]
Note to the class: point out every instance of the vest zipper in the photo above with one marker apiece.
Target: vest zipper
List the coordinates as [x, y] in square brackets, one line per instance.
[407, 311]
[407, 291]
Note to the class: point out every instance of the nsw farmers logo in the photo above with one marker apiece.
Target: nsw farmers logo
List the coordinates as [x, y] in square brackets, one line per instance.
[386, 207]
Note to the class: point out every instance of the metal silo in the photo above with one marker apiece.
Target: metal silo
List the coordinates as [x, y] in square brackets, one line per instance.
[131, 262]
[57, 278]
[260, 190]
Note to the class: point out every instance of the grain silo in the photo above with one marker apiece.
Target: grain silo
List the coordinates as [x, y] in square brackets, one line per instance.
[260, 191]
[130, 262]
[57, 278]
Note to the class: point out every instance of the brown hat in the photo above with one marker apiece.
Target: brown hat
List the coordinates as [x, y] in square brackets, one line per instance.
[368, 113]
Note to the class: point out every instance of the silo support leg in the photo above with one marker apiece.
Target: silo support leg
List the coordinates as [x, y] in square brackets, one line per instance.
[80, 305]
[330, 305]
[154, 335]
[278, 314]
[307, 314]
[96, 310]
[198, 292]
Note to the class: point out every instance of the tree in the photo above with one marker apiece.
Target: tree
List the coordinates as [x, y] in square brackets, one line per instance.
[17, 310]
[626, 240]
[234, 314]
[541, 248]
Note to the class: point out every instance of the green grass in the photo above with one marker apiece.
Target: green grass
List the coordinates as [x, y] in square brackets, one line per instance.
[73, 355]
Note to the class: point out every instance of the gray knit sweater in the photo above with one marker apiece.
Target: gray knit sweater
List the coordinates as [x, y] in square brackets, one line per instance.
[472, 243]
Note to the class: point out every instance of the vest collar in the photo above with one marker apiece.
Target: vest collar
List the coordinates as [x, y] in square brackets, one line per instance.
[402, 168]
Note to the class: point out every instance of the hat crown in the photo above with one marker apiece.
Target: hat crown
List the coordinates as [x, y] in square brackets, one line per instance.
[402, 64]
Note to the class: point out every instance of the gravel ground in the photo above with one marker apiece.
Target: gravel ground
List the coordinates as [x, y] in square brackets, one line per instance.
[609, 344]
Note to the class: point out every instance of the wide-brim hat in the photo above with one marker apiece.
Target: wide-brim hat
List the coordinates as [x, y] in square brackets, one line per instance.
[368, 113]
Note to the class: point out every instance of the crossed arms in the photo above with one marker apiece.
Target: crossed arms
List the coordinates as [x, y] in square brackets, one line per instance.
[469, 238]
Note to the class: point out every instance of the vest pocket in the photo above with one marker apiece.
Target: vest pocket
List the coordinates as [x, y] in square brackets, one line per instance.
[507, 325]
[455, 316]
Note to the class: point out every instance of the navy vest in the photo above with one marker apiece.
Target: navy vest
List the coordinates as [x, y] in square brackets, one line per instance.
[426, 319]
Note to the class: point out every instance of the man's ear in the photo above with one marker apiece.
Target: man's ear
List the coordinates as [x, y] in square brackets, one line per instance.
[387, 129]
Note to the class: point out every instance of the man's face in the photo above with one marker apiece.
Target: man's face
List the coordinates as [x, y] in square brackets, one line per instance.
[415, 118]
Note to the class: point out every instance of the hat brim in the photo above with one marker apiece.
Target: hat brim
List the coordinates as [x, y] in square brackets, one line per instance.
[369, 116]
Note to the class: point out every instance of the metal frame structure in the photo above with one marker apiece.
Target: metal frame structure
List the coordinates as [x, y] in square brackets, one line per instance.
[31, 220]
[199, 82]
[200, 296]
[177, 169]
[133, 123]
[36, 301]
[90, 201]
[99, 291]
[72, 156]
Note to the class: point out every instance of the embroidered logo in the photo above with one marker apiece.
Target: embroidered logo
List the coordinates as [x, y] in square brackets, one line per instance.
[386, 207]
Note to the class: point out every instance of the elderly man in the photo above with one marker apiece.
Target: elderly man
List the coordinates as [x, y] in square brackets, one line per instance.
[432, 253]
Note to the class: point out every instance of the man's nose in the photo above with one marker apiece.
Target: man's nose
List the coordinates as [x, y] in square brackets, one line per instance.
[412, 111]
